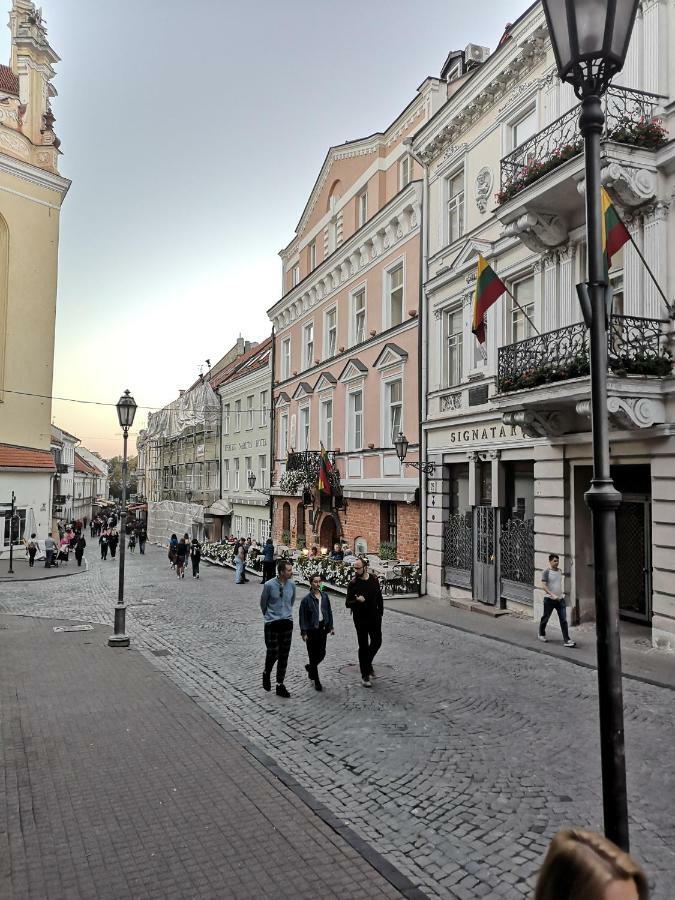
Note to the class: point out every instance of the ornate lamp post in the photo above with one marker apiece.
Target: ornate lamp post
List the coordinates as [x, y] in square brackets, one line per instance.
[401, 446]
[590, 41]
[126, 410]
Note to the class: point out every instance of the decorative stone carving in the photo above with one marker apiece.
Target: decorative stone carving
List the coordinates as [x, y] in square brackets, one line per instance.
[451, 401]
[483, 188]
[632, 186]
[538, 423]
[630, 412]
[537, 231]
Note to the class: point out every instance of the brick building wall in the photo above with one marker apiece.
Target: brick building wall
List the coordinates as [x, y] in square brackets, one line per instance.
[364, 519]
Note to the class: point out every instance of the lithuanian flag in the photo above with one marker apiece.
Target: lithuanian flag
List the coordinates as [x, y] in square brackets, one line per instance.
[489, 288]
[614, 232]
[324, 470]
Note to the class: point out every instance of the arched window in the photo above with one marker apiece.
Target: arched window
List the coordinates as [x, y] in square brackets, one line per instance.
[300, 520]
[286, 517]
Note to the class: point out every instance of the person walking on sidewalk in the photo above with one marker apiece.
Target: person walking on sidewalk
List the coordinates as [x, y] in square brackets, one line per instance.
[276, 603]
[142, 538]
[132, 542]
[103, 543]
[240, 565]
[268, 560]
[173, 546]
[316, 623]
[50, 550]
[195, 557]
[79, 548]
[182, 551]
[31, 550]
[551, 581]
[113, 541]
[364, 599]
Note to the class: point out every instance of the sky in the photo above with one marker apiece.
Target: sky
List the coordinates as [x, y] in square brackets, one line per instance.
[193, 132]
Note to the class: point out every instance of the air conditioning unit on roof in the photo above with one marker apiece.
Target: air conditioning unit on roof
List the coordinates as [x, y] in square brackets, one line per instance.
[475, 53]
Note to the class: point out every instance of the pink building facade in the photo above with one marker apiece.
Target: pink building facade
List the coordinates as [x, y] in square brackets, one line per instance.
[347, 344]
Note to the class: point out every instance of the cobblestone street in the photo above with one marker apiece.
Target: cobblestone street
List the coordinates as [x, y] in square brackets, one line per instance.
[460, 764]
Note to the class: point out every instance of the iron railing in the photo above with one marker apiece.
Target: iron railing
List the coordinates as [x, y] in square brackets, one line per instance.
[635, 347]
[561, 140]
[517, 550]
[306, 460]
[458, 542]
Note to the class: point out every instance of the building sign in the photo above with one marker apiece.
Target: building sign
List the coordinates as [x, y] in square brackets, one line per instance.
[465, 437]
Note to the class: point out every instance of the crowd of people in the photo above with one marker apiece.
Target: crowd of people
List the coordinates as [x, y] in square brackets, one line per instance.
[180, 551]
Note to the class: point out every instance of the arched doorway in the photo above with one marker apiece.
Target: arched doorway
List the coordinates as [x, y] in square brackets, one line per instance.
[328, 533]
[286, 518]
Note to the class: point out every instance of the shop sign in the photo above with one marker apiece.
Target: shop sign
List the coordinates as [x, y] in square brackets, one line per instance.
[465, 437]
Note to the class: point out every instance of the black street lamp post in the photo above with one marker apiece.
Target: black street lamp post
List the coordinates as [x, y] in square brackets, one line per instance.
[401, 446]
[12, 516]
[590, 40]
[126, 410]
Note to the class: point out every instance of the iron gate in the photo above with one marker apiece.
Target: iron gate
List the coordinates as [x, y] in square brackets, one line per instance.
[485, 521]
[517, 560]
[633, 544]
[458, 550]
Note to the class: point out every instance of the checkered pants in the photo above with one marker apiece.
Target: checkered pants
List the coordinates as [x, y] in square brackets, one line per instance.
[278, 636]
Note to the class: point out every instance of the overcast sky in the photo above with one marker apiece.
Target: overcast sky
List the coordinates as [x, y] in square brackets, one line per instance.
[193, 132]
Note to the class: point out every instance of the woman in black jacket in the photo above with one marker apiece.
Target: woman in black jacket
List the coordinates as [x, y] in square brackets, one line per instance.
[316, 622]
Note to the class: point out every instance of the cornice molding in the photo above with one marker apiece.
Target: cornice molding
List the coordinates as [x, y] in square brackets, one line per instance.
[34, 175]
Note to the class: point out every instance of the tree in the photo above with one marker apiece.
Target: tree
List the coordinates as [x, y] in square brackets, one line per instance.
[116, 476]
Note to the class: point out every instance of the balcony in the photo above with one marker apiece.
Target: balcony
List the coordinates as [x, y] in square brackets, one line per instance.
[635, 347]
[302, 467]
[541, 193]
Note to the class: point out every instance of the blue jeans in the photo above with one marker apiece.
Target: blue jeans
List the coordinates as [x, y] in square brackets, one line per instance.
[239, 571]
[559, 606]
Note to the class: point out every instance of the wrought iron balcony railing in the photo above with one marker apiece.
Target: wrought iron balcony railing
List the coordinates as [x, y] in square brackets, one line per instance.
[629, 118]
[306, 460]
[635, 347]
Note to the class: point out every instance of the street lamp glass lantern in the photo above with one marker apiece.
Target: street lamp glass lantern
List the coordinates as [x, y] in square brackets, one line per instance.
[126, 410]
[590, 40]
[251, 481]
[401, 446]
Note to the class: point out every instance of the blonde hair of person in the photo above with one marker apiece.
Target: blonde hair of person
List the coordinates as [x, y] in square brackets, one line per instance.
[580, 865]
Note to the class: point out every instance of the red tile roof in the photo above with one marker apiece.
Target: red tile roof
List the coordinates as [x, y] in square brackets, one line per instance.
[83, 467]
[9, 82]
[13, 457]
[256, 358]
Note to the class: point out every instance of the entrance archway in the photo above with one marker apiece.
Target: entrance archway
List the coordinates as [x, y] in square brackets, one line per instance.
[328, 533]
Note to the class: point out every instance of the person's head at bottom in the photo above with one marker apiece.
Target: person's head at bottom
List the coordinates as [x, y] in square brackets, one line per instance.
[583, 865]
[315, 584]
[360, 567]
[284, 570]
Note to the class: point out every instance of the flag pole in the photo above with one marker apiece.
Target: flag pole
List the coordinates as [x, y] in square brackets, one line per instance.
[650, 273]
[536, 330]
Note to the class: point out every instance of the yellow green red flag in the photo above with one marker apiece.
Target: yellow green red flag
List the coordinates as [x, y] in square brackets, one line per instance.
[614, 232]
[489, 288]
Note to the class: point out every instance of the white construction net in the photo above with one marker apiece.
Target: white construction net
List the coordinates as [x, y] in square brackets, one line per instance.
[167, 517]
[198, 406]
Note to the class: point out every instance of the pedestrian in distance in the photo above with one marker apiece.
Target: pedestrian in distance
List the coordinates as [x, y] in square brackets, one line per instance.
[316, 623]
[338, 554]
[132, 542]
[79, 548]
[31, 550]
[268, 560]
[103, 544]
[583, 865]
[276, 603]
[195, 557]
[50, 550]
[142, 538]
[554, 599]
[113, 541]
[173, 544]
[240, 565]
[182, 550]
[364, 599]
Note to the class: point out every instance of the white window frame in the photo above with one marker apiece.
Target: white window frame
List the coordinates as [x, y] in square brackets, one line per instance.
[388, 436]
[308, 345]
[388, 272]
[304, 435]
[295, 275]
[237, 415]
[226, 419]
[237, 471]
[350, 429]
[353, 336]
[326, 434]
[239, 526]
[459, 344]
[312, 255]
[405, 169]
[456, 202]
[226, 474]
[250, 408]
[263, 408]
[327, 352]
[286, 358]
[263, 530]
[529, 109]
[262, 471]
[284, 424]
[248, 466]
[513, 310]
[362, 207]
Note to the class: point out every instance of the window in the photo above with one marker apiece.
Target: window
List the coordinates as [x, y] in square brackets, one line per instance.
[395, 295]
[523, 292]
[454, 339]
[286, 358]
[286, 518]
[359, 316]
[330, 332]
[238, 525]
[295, 275]
[455, 195]
[311, 254]
[250, 527]
[283, 435]
[263, 407]
[236, 473]
[262, 472]
[248, 465]
[308, 332]
[523, 128]
[393, 410]
[237, 415]
[362, 208]
[263, 530]
[326, 423]
[249, 411]
[303, 436]
[226, 474]
[389, 522]
[226, 419]
[355, 429]
[406, 171]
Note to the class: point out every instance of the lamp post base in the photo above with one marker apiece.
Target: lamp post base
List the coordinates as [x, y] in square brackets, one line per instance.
[119, 638]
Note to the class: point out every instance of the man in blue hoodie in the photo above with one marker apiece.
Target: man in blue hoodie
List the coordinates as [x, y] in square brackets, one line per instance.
[276, 603]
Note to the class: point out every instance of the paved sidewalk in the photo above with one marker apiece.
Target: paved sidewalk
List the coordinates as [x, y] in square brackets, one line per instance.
[24, 572]
[640, 661]
[117, 785]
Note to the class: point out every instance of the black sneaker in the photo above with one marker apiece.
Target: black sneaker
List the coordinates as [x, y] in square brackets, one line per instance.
[317, 685]
[308, 669]
[267, 684]
[282, 692]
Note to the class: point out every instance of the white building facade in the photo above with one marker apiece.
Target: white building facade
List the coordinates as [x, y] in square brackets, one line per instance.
[507, 423]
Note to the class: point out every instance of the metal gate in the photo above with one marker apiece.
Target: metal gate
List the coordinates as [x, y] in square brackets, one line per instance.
[633, 545]
[458, 550]
[517, 560]
[485, 545]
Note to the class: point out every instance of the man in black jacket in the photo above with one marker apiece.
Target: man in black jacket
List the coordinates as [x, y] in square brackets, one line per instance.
[364, 598]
